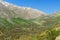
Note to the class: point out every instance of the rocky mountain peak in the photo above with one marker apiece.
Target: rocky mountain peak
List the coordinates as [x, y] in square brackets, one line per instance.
[10, 10]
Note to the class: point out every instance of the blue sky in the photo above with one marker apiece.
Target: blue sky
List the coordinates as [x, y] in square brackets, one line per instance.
[47, 6]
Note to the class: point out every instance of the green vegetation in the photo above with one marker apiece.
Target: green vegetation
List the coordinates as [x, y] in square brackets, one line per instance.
[20, 29]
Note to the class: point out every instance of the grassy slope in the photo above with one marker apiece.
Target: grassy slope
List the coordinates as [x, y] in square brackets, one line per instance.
[28, 30]
[54, 30]
[20, 28]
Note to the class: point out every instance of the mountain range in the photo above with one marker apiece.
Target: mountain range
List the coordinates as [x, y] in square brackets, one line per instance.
[23, 23]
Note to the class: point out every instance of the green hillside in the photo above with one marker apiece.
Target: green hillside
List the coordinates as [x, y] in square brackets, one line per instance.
[23, 23]
[20, 29]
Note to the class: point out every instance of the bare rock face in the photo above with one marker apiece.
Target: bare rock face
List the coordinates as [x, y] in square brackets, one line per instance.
[8, 10]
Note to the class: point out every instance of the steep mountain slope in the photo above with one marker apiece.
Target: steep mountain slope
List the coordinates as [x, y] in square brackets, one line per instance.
[13, 23]
[11, 10]
[22, 23]
[54, 32]
[51, 34]
[56, 15]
